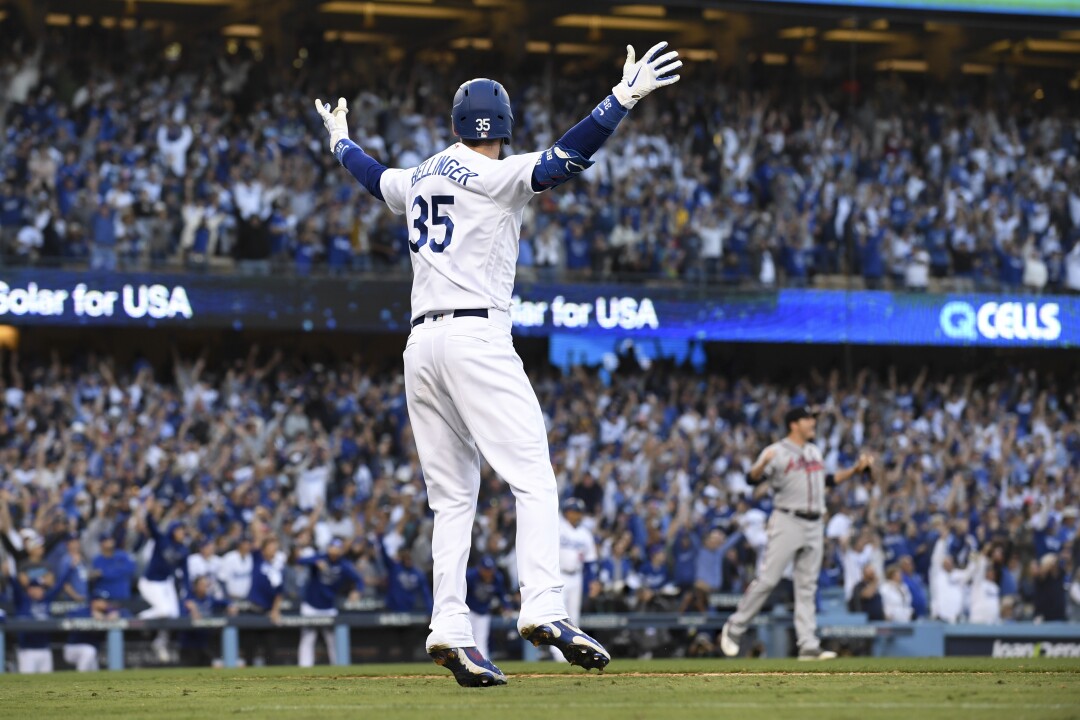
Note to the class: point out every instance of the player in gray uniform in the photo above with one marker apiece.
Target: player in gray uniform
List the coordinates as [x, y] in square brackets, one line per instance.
[795, 470]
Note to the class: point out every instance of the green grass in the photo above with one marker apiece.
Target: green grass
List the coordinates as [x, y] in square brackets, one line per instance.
[766, 689]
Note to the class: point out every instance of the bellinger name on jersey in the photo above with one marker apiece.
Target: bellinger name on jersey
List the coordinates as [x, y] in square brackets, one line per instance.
[445, 166]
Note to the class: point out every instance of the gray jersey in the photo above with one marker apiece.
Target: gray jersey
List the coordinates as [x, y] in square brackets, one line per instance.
[797, 477]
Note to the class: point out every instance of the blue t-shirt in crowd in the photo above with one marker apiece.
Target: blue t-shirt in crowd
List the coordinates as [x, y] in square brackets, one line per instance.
[168, 555]
[481, 595]
[327, 578]
[267, 581]
[117, 572]
[29, 609]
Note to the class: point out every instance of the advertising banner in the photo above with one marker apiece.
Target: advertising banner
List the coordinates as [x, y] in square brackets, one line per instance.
[1013, 647]
[64, 298]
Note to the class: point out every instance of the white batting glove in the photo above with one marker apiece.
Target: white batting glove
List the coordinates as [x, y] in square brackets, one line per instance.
[335, 121]
[645, 75]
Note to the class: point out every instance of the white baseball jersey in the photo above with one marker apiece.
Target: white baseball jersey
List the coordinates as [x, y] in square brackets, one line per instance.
[235, 574]
[576, 547]
[465, 211]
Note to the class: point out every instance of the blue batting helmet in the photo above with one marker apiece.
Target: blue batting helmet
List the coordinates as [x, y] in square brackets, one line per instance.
[482, 111]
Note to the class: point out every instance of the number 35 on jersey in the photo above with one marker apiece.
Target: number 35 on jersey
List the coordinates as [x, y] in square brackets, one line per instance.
[431, 214]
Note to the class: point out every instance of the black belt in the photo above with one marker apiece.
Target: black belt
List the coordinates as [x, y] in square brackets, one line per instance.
[800, 514]
[478, 312]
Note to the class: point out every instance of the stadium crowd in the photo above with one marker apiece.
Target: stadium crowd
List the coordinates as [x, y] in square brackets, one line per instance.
[266, 485]
[115, 154]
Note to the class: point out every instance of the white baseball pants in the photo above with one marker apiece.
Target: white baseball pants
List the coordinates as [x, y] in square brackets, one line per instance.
[34, 660]
[467, 391]
[164, 603]
[309, 636]
[161, 594]
[481, 630]
[83, 657]
[573, 594]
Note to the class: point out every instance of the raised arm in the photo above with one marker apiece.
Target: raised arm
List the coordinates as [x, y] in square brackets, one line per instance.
[758, 471]
[366, 169]
[570, 154]
[864, 462]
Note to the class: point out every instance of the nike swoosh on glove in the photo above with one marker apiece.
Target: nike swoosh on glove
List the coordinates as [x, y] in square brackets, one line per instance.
[641, 77]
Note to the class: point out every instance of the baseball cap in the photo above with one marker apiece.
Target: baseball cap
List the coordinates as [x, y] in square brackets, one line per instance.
[487, 562]
[797, 413]
[337, 543]
[573, 505]
[31, 539]
[100, 594]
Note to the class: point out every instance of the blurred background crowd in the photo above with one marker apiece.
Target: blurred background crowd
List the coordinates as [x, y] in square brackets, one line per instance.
[970, 513]
[117, 155]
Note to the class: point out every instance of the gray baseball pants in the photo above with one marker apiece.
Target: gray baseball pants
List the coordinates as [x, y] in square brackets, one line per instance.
[790, 538]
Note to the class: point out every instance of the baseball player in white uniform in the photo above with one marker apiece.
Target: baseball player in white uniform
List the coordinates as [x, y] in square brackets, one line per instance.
[795, 470]
[577, 559]
[466, 389]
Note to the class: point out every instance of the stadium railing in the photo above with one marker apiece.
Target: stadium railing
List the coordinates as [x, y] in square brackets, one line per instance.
[773, 631]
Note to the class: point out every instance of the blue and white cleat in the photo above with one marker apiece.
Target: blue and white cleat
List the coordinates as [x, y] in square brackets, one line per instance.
[577, 647]
[470, 668]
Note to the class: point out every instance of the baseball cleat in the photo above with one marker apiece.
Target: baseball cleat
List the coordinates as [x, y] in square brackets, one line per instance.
[577, 647]
[728, 645]
[816, 654]
[470, 668]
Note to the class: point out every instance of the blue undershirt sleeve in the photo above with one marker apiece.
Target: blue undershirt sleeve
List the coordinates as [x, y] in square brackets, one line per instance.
[366, 169]
[595, 128]
[588, 135]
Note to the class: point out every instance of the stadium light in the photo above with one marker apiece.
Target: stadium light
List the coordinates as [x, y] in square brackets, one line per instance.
[977, 69]
[864, 36]
[1051, 46]
[713, 15]
[798, 33]
[242, 30]
[9, 334]
[185, 2]
[909, 66]
[350, 36]
[699, 55]
[472, 43]
[605, 22]
[110, 22]
[544, 47]
[656, 11]
[426, 12]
